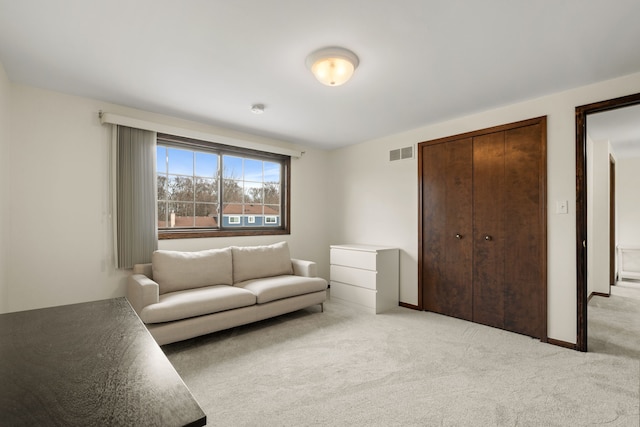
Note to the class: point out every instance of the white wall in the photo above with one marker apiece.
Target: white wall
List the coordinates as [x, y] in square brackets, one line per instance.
[5, 91]
[628, 200]
[376, 202]
[59, 248]
[598, 216]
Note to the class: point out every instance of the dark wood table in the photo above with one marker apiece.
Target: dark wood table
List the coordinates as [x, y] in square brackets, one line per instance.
[85, 365]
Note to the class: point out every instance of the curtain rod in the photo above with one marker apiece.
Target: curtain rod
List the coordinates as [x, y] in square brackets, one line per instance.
[116, 119]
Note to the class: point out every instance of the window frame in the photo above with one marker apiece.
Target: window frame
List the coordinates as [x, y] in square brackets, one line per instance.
[221, 150]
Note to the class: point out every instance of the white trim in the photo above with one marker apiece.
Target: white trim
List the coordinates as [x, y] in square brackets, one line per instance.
[117, 119]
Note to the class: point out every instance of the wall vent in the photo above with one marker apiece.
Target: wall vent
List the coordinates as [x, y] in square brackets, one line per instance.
[401, 154]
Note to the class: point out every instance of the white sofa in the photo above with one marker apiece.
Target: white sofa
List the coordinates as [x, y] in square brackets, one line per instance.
[181, 295]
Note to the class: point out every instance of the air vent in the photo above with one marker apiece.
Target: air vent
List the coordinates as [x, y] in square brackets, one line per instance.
[401, 154]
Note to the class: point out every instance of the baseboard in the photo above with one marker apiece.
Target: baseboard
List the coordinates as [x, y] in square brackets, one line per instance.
[597, 294]
[560, 343]
[406, 305]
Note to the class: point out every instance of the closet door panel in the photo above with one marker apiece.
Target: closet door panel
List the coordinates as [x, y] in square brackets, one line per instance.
[524, 194]
[488, 234]
[433, 224]
[447, 225]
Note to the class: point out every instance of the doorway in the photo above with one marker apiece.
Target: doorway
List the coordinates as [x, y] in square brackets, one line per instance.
[582, 114]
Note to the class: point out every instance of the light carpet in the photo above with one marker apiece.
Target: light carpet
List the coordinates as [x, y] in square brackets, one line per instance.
[345, 367]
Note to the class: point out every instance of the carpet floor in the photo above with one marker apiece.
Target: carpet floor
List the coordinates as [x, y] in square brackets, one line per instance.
[345, 367]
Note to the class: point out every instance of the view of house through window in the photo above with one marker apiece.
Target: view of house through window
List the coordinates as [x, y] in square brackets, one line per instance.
[210, 188]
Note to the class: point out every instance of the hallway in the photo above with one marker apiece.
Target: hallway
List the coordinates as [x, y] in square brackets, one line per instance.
[614, 322]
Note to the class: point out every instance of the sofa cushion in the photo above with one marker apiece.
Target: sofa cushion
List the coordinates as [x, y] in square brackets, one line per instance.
[252, 262]
[176, 271]
[196, 302]
[279, 287]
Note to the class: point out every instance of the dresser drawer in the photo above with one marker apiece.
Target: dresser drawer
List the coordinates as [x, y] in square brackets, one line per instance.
[354, 276]
[358, 259]
[354, 294]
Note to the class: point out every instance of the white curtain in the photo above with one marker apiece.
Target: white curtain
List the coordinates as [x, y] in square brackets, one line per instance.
[135, 219]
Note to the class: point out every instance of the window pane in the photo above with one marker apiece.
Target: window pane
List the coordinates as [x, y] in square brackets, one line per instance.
[252, 170]
[206, 165]
[271, 172]
[162, 215]
[232, 215]
[253, 209]
[232, 167]
[162, 187]
[161, 159]
[206, 190]
[183, 214]
[180, 188]
[272, 193]
[206, 215]
[253, 192]
[271, 210]
[232, 191]
[180, 161]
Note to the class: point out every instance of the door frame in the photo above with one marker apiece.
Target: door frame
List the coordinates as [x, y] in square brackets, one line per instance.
[612, 222]
[581, 204]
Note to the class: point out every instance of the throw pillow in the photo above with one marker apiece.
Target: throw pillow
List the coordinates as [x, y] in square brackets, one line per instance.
[176, 271]
[253, 262]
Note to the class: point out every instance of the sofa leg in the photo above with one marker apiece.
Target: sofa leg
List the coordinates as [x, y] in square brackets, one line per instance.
[321, 307]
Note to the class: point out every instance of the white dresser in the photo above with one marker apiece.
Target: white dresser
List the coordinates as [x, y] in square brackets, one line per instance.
[365, 275]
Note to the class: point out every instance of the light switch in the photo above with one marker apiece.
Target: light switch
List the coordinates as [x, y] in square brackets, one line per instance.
[562, 207]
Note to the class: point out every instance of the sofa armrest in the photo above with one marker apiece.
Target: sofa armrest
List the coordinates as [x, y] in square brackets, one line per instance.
[304, 268]
[145, 269]
[142, 291]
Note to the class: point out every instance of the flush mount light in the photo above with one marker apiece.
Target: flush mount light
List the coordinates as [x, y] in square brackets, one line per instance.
[332, 66]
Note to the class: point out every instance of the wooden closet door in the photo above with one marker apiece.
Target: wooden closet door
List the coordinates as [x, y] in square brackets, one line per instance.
[446, 228]
[488, 229]
[524, 230]
[491, 183]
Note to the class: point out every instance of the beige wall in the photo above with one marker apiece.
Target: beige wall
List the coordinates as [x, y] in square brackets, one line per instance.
[376, 202]
[5, 91]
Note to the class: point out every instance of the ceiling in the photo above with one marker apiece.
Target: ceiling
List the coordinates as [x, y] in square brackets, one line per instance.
[421, 61]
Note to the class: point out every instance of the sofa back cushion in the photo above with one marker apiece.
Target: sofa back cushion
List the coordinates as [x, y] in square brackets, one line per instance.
[176, 271]
[254, 262]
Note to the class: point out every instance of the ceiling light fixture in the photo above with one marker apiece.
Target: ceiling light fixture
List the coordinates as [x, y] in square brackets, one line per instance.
[332, 66]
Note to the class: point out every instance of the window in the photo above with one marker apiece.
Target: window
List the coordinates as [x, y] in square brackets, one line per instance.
[207, 189]
[271, 219]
